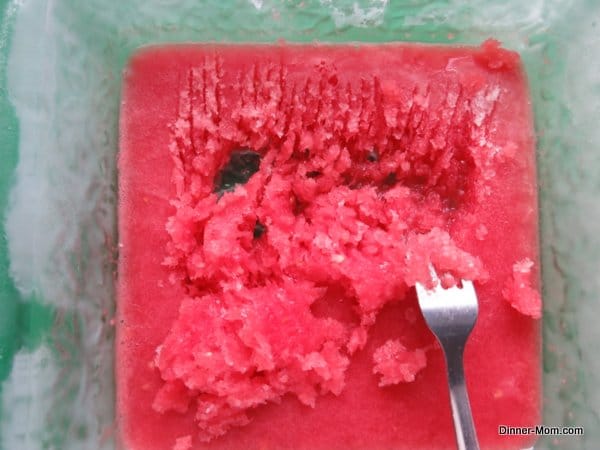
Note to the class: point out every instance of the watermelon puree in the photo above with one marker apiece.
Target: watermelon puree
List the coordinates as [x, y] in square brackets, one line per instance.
[301, 193]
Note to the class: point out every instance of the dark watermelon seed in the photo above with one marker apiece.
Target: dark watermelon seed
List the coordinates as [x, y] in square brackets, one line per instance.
[242, 164]
[259, 230]
[373, 156]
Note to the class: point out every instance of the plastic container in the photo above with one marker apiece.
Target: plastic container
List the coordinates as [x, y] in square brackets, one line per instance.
[60, 76]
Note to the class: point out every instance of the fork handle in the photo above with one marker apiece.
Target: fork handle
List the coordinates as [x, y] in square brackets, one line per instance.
[466, 437]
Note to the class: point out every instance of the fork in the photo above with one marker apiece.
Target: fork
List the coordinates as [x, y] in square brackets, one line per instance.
[451, 314]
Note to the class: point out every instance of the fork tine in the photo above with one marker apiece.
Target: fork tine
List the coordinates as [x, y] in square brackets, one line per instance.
[451, 314]
[469, 290]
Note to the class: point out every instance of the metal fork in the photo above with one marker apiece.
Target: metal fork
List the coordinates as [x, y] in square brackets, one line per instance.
[451, 314]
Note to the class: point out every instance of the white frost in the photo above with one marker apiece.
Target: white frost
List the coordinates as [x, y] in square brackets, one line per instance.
[366, 13]
[258, 4]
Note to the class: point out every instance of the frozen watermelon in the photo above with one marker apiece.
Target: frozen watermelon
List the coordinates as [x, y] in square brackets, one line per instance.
[278, 205]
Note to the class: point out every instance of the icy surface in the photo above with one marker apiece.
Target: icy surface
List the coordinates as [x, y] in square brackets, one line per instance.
[63, 80]
[60, 228]
[28, 389]
[356, 13]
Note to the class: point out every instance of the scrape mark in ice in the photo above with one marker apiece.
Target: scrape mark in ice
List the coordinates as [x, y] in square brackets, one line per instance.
[483, 104]
[358, 14]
